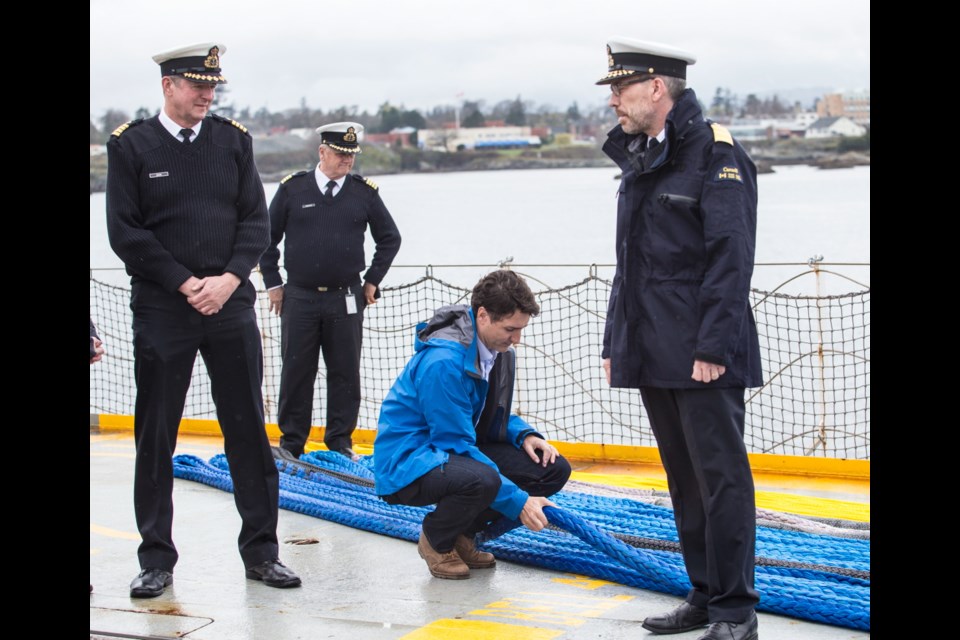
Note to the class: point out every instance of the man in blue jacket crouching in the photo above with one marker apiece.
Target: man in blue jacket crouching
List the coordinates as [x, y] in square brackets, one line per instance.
[446, 435]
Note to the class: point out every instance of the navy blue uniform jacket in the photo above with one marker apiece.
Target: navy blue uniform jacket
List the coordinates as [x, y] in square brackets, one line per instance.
[686, 233]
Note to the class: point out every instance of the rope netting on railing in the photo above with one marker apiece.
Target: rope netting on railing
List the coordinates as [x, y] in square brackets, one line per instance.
[815, 350]
[811, 576]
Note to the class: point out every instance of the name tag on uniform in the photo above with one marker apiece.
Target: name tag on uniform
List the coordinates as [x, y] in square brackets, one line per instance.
[307, 206]
[351, 303]
[160, 174]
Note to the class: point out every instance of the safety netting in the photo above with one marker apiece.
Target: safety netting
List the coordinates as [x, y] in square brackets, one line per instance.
[815, 351]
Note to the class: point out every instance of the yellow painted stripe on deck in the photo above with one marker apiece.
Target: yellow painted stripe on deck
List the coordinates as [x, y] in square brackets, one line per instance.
[774, 501]
[446, 628]
[620, 480]
[759, 462]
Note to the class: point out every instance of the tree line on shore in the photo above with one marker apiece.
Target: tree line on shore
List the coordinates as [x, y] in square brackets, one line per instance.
[558, 150]
[584, 121]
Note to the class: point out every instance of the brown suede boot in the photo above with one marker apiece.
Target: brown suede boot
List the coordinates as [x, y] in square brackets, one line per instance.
[442, 565]
[466, 548]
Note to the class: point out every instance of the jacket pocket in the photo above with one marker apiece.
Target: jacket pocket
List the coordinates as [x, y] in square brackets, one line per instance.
[675, 200]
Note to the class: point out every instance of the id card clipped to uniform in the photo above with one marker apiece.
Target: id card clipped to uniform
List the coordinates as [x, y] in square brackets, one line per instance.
[351, 303]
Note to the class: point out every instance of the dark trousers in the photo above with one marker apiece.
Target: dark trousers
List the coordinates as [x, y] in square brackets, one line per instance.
[312, 322]
[167, 335]
[700, 436]
[464, 488]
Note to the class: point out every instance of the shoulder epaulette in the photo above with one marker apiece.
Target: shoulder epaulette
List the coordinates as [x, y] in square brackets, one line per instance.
[298, 173]
[125, 126]
[367, 181]
[230, 121]
[721, 134]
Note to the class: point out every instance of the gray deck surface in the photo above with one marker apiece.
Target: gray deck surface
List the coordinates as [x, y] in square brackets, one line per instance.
[356, 585]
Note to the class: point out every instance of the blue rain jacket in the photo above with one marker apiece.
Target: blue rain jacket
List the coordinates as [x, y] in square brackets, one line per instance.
[440, 404]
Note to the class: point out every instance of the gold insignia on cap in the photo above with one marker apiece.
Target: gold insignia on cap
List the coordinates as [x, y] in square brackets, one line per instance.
[202, 76]
[212, 61]
[350, 136]
[609, 57]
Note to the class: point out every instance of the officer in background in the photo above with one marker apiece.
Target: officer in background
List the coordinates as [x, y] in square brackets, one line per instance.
[322, 216]
[679, 323]
[186, 213]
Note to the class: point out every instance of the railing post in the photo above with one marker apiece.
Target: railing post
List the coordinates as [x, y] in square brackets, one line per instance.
[814, 264]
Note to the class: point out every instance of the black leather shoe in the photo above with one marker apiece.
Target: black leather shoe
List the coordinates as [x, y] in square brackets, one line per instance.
[274, 574]
[746, 630]
[686, 617]
[279, 453]
[150, 583]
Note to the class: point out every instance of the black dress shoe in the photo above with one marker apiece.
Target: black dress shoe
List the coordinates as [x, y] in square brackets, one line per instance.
[274, 574]
[279, 453]
[686, 617]
[746, 630]
[150, 583]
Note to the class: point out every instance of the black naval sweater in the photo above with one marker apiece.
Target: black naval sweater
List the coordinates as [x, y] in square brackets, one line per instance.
[323, 245]
[176, 210]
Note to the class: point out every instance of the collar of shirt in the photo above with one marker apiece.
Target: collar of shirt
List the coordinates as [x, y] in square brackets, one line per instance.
[174, 128]
[487, 358]
[661, 136]
[322, 181]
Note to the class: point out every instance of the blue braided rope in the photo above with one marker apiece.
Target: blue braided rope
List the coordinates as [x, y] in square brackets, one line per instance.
[585, 538]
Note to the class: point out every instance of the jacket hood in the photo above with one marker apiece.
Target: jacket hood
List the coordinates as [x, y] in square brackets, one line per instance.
[451, 327]
[451, 323]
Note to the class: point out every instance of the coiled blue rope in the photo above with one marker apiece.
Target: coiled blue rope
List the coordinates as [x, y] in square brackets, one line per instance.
[803, 575]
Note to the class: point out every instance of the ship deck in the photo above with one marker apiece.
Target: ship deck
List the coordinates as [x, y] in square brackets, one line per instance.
[359, 585]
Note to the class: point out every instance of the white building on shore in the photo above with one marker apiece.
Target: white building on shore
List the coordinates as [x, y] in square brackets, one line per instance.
[834, 127]
[477, 138]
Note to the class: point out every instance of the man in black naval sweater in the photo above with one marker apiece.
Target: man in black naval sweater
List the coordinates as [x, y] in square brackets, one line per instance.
[186, 213]
[324, 215]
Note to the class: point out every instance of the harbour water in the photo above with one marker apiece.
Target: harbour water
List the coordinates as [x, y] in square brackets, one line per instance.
[568, 217]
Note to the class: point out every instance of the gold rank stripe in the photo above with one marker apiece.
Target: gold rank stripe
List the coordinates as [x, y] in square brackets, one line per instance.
[121, 128]
[371, 184]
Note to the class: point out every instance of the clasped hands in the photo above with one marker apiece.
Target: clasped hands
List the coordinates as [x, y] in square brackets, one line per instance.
[208, 295]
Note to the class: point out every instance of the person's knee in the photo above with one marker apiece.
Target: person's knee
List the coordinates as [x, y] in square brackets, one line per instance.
[556, 475]
[489, 484]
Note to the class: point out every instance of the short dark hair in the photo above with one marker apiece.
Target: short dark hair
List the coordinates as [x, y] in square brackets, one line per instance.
[502, 293]
[675, 86]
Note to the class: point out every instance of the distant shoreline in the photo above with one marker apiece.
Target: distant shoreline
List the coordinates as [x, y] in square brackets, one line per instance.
[493, 162]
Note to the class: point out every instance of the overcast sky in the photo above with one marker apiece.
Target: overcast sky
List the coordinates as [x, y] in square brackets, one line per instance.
[424, 53]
